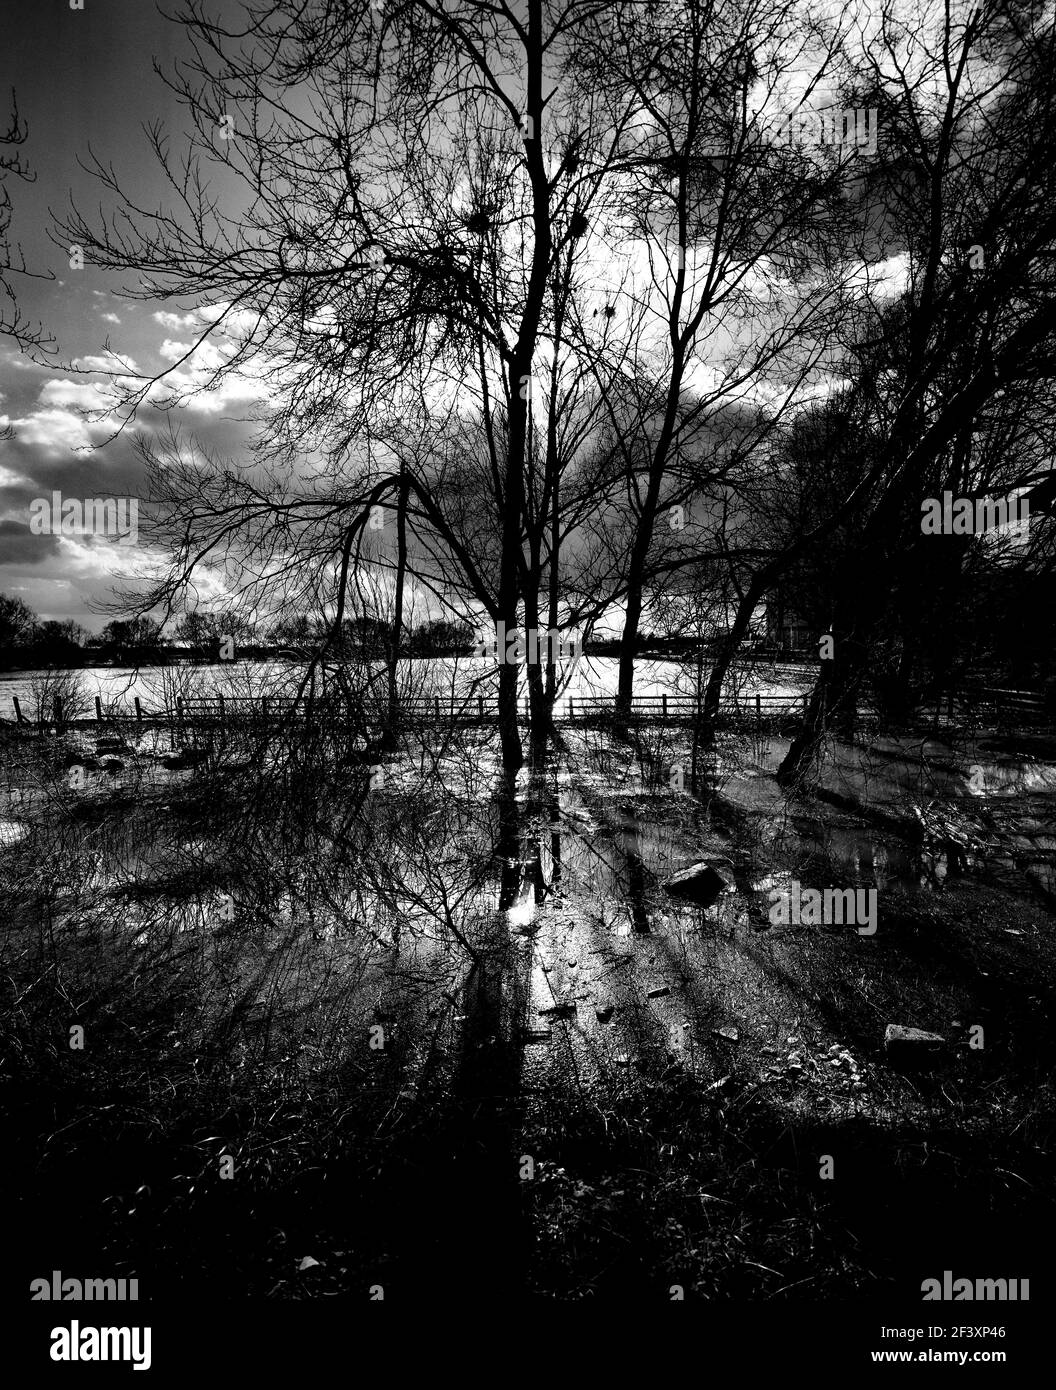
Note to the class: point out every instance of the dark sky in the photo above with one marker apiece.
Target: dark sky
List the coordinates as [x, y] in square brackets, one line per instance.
[83, 79]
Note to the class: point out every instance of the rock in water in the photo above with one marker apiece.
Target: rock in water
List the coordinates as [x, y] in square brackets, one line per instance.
[185, 758]
[704, 882]
[558, 1011]
[912, 1045]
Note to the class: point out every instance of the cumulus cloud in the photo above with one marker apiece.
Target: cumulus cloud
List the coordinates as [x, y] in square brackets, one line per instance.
[56, 424]
[84, 395]
[188, 380]
[173, 349]
[177, 323]
[53, 431]
[110, 318]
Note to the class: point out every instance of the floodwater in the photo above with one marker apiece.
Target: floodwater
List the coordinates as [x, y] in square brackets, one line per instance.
[599, 973]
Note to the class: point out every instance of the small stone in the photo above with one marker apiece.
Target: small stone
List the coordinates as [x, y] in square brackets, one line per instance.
[703, 882]
[604, 1013]
[558, 1010]
[659, 993]
[728, 1032]
[911, 1044]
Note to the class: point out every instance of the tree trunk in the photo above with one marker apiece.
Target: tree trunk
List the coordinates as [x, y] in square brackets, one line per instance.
[538, 704]
[629, 639]
[834, 699]
[727, 650]
[520, 371]
[392, 712]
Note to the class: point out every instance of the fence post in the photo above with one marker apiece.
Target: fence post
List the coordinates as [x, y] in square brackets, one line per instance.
[18, 710]
[58, 711]
[664, 699]
[571, 709]
[98, 709]
[264, 707]
[480, 707]
[139, 709]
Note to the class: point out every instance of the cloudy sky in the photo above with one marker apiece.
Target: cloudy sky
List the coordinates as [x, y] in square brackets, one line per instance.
[85, 84]
[86, 87]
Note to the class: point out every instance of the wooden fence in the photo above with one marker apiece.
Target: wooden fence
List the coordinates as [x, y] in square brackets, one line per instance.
[980, 707]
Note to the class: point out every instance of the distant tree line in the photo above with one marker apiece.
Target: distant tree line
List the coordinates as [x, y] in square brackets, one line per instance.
[27, 641]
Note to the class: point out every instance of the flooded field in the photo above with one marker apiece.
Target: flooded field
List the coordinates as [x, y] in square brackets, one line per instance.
[157, 686]
[413, 987]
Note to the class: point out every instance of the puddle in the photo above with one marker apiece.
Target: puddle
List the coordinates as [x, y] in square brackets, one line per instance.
[12, 833]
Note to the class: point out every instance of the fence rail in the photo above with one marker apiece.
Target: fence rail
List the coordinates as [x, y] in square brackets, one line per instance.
[978, 706]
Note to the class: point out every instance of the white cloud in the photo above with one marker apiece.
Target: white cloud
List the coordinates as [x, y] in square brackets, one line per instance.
[198, 320]
[177, 323]
[884, 279]
[189, 379]
[83, 395]
[9, 478]
[22, 364]
[57, 424]
[57, 431]
[110, 318]
[233, 391]
[173, 349]
[108, 362]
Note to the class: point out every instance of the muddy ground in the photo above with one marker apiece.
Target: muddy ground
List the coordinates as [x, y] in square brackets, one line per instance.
[438, 1052]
